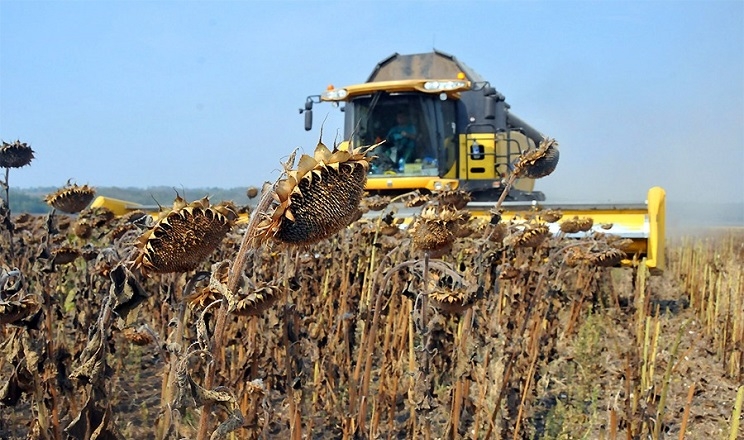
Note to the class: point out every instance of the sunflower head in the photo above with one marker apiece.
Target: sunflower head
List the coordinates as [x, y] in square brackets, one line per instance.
[551, 215]
[607, 258]
[577, 224]
[318, 198]
[261, 297]
[576, 257]
[376, 202]
[540, 162]
[509, 272]
[98, 217]
[16, 310]
[184, 237]
[15, 154]
[416, 199]
[137, 336]
[83, 229]
[65, 254]
[451, 300]
[251, 192]
[434, 229]
[531, 236]
[71, 198]
[459, 199]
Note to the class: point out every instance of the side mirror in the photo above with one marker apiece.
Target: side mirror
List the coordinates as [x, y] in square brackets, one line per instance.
[308, 115]
[308, 120]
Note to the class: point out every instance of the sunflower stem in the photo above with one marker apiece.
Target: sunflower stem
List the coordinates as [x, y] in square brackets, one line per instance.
[8, 221]
[425, 364]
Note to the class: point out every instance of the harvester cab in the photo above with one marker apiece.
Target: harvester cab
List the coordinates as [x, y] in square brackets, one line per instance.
[443, 126]
[456, 132]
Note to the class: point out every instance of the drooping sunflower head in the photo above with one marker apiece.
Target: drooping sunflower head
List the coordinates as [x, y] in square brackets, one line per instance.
[607, 258]
[12, 311]
[65, 254]
[434, 229]
[252, 192]
[577, 224]
[98, 217]
[539, 162]
[454, 197]
[416, 199]
[71, 198]
[551, 215]
[318, 198]
[529, 237]
[137, 336]
[15, 154]
[451, 300]
[184, 237]
[376, 202]
[256, 301]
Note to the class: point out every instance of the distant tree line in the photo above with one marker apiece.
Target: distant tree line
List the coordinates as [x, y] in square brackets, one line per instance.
[31, 200]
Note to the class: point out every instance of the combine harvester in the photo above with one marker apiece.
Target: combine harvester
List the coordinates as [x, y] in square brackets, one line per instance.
[460, 135]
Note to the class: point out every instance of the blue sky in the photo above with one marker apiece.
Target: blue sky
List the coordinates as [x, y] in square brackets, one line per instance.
[206, 94]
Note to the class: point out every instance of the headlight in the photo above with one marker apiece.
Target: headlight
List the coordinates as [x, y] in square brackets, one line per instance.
[334, 95]
[444, 85]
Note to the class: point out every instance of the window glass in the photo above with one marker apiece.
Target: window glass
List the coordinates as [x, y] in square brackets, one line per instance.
[410, 128]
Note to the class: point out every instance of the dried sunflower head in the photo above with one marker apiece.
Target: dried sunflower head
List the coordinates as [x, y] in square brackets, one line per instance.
[137, 216]
[451, 300]
[433, 229]
[65, 255]
[183, 238]
[539, 162]
[454, 197]
[83, 229]
[607, 258]
[577, 224]
[89, 252]
[509, 272]
[71, 198]
[551, 215]
[137, 336]
[217, 287]
[119, 231]
[63, 223]
[623, 244]
[376, 202]
[389, 230]
[531, 236]
[585, 224]
[16, 310]
[98, 217]
[416, 199]
[261, 297]
[251, 192]
[15, 154]
[318, 198]
[575, 257]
